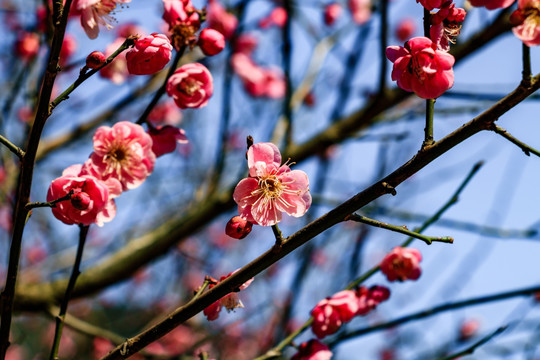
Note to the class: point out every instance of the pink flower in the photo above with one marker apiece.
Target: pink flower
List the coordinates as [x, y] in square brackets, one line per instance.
[245, 44]
[368, 299]
[179, 12]
[421, 68]
[329, 314]
[117, 70]
[405, 29]
[92, 201]
[165, 138]
[191, 86]
[432, 4]
[211, 42]
[230, 301]
[528, 29]
[69, 45]
[277, 17]
[27, 45]
[468, 329]
[360, 10]
[95, 13]
[149, 55]
[270, 188]
[446, 25]
[259, 81]
[95, 59]
[123, 152]
[238, 228]
[492, 4]
[218, 18]
[331, 13]
[165, 113]
[312, 350]
[402, 264]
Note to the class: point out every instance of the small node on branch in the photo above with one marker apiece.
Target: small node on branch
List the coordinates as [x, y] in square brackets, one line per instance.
[389, 188]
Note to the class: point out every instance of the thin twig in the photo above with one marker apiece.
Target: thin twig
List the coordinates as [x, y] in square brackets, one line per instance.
[161, 90]
[400, 229]
[470, 350]
[439, 309]
[12, 147]
[51, 204]
[524, 147]
[84, 74]
[67, 296]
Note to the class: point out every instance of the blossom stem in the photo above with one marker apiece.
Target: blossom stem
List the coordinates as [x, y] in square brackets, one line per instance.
[12, 147]
[470, 350]
[400, 229]
[275, 352]
[51, 204]
[161, 90]
[201, 289]
[428, 131]
[524, 147]
[526, 72]
[84, 74]
[427, 22]
[287, 54]
[278, 235]
[60, 319]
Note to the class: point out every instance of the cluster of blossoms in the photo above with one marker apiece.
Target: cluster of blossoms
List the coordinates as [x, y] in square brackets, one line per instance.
[229, 301]
[329, 314]
[271, 188]
[312, 350]
[402, 264]
[122, 159]
[423, 65]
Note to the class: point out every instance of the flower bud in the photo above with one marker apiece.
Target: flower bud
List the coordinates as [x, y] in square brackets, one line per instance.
[80, 200]
[95, 59]
[211, 42]
[238, 228]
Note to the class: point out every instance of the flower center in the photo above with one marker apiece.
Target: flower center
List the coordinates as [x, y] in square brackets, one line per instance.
[189, 86]
[270, 186]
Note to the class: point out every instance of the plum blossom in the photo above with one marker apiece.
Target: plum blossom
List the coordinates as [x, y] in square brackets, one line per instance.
[95, 13]
[329, 314]
[402, 264]
[92, 201]
[211, 42]
[123, 152]
[218, 18]
[27, 45]
[331, 13]
[95, 59]
[312, 350]
[446, 25]
[245, 44]
[238, 228]
[271, 188]
[492, 4]
[258, 81]
[165, 113]
[277, 17]
[149, 54]
[165, 138]
[527, 17]
[191, 86]
[230, 301]
[468, 329]
[183, 20]
[421, 68]
[405, 29]
[368, 299]
[360, 10]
